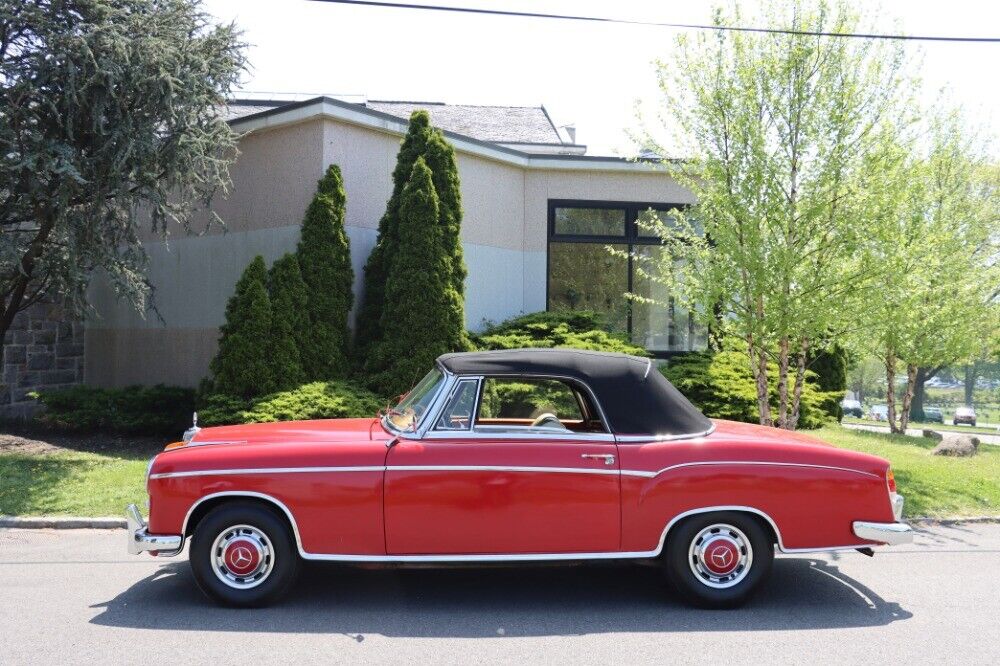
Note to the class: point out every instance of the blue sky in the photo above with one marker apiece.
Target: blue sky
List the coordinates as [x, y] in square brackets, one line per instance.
[591, 75]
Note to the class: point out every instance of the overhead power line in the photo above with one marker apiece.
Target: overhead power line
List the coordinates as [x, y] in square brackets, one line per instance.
[660, 24]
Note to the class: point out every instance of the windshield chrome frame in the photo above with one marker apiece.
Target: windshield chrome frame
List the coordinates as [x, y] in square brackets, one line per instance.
[433, 407]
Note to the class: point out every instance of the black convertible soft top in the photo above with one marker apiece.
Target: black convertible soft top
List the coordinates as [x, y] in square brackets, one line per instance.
[635, 397]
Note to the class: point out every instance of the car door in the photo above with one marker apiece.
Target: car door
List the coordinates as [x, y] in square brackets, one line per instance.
[481, 481]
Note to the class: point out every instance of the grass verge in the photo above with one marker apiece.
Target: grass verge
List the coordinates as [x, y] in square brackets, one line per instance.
[70, 483]
[936, 486]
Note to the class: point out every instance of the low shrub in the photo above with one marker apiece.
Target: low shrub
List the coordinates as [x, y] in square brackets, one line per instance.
[722, 386]
[131, 410]
[573, 329]
[317, 400]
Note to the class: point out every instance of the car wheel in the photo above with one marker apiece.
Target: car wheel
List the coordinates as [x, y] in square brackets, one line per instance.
[717, 560]
[242, 554]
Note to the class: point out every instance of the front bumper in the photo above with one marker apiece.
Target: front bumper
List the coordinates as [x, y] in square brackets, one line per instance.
[140, 540]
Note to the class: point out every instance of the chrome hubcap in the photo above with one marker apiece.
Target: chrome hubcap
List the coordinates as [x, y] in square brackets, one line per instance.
[242, 557]
[720, 556]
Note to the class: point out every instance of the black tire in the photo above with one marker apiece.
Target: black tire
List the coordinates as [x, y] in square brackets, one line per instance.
[232, 533]
[750, 548]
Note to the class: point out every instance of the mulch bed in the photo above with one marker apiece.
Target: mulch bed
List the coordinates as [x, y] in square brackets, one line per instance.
[32, 441]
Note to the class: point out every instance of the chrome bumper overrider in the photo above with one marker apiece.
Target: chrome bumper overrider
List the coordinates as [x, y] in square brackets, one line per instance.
[892, 534]
[139, 540]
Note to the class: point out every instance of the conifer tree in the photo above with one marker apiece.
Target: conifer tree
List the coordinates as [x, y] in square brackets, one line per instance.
[290, 329]
[242, 366]
[368, 331]
[440, 157]
[419, 322]
[324, 256]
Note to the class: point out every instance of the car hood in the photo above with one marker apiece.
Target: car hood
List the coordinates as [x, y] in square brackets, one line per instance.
[294, 432]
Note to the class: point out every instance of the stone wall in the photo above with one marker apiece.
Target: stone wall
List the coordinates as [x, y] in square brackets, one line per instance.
[42, 350]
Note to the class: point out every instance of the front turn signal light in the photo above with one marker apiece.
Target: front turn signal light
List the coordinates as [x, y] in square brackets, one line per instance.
[174, 445]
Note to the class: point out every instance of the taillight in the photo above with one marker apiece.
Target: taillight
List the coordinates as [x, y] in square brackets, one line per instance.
[890, 478]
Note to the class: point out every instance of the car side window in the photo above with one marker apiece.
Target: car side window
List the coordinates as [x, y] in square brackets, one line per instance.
[526, 402]
[457, 413]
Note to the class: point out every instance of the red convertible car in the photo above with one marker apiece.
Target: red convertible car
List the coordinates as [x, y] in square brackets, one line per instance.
[514, 456]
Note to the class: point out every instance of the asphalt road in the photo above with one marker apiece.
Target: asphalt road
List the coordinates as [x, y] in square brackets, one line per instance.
[76, 597]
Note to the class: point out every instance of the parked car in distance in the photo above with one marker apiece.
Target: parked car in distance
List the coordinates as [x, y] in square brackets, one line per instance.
[879, 413]
[514, 456]
[966, 415]
[852, 408]
[933, 415]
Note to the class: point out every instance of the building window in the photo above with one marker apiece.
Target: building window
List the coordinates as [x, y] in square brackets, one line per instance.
[583, 275]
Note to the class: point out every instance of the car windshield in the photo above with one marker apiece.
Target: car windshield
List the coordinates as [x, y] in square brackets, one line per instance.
[412, 407]
[964, 411]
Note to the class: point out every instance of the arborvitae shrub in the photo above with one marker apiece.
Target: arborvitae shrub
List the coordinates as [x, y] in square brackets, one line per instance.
[324, 257]
[290, 326]
[419, 322]
[243, 366]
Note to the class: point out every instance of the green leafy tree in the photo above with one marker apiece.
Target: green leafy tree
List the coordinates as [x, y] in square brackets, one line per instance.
[368, 331]
[110, 122]
[419, 322]
[787, 135]
[243, 366]
[290, 327]
[938, 274]
[324, 257]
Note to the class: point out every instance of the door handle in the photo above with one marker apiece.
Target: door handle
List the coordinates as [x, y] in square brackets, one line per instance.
[608, 458]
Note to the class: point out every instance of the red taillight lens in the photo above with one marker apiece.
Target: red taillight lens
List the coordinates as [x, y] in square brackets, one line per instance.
[891, 480]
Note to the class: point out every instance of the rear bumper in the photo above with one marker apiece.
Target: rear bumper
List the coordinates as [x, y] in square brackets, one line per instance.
[891, 534]
[140, 540]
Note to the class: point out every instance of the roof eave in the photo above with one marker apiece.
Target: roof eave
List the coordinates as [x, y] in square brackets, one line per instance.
[320, 107]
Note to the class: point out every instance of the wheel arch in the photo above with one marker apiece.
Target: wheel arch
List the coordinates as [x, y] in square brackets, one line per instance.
[765, 521]
[205, 504]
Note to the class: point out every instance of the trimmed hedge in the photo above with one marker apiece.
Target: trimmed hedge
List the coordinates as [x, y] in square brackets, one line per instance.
[722, 386]
[317, 400]
[130, 410]
[574, 329]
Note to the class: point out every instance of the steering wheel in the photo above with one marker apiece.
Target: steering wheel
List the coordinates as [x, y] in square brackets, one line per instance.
[548, 420]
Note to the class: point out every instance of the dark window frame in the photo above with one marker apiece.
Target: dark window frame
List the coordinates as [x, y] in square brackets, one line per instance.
[631, 238]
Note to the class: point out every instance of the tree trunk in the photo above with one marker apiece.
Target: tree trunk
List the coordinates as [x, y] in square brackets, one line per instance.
[917, 406]
[911, 380]
[890, 391]
[970, 383]
[783, 383]
[758, 365]
[22, 279]
[800, 380]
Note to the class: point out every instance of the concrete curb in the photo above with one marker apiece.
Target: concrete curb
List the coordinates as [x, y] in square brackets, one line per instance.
[60, 523]
[72, 523]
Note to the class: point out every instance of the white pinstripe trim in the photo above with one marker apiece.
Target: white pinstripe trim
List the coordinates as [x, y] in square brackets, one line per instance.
[264, 470]
[491, 468]
[650, 475]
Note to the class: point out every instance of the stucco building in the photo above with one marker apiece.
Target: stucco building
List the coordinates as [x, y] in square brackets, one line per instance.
[538, 214]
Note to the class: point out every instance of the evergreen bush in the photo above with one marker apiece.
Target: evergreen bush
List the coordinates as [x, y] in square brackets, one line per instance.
[420, 321]
[291, 331]
[131, 410]
[368, 328]
[316, 400]
[722, 386]
[574, 329]
[243, 365]
[324, 257]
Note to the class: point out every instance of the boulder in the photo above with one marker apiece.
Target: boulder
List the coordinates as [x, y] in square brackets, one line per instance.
[932, 434]
[957, 445]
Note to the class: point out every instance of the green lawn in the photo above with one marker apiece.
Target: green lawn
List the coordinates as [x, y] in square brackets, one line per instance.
[70, 483]
[101, 484]
[932, 485]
